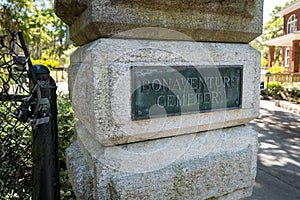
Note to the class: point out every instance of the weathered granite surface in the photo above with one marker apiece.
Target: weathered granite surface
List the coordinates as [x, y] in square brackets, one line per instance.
[236, 21]
[207, 155]
[69, 10]
[219, 164]
[82, 179]
[100, 84]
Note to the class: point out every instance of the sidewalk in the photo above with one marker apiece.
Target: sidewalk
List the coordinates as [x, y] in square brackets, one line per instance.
[62, 87]
[295, 108]
[278, 167]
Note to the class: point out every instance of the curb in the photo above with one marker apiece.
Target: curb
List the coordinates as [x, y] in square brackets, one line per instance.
[288, 106]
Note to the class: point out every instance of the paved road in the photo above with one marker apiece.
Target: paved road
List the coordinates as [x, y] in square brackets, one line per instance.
[278, 174]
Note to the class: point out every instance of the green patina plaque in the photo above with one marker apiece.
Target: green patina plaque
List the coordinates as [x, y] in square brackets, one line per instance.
[176, 90]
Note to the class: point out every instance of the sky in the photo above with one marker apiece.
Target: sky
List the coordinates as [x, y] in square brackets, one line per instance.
[269, 5]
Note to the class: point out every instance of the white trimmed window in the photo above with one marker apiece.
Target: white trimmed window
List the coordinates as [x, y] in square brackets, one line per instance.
[292, 24]
[287, 57]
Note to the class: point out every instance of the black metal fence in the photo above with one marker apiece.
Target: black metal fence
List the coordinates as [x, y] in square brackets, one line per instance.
[28, 125]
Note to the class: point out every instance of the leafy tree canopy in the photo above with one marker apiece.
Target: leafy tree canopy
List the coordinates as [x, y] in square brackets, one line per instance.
[272, 29]
[44, 32]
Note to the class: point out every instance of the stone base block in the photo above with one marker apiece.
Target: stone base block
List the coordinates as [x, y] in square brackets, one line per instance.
[219, 164]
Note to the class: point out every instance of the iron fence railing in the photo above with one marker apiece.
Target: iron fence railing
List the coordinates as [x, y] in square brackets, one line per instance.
[28, 125]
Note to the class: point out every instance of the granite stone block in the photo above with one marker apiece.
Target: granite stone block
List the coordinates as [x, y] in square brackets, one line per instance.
[218, 164]
[235, 21]
[100, 82]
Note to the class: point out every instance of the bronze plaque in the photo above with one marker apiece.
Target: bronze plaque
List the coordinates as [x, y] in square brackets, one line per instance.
[162, 91]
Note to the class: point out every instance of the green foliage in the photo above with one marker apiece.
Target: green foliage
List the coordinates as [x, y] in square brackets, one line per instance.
[263, 48]
[44, 32]
[48, 63]
[264, 62]
[66, 121]
[277, 69]
[292, 95]
[275, 86]
[277, 91]
[272, 89]
[15, 14]
[15, 140]
[272, 29]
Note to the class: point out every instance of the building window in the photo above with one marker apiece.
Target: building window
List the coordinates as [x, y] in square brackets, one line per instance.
[292, 24]
[287, 57]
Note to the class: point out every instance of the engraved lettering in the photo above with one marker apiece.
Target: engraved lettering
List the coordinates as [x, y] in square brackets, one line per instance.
[156, 85]
[161, 101]
[184, 83]
[226, 81]
[180, 100]
[192, 99]
[214, 97]
[171, 100]
[176, 85]
[194, 83]
[207, 97]
[166, 84]
[145, 85]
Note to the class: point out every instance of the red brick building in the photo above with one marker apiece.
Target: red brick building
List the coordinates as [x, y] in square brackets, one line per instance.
[290, 41]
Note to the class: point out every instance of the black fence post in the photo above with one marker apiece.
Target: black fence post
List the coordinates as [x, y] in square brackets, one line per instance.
[45, 138]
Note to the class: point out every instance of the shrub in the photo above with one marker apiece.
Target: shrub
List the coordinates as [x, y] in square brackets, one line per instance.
[275, 86]
[22, 159]
[48, 63]
[264, 62]
[293, 95]
[278, 91]
[66, 121]
[277, 69]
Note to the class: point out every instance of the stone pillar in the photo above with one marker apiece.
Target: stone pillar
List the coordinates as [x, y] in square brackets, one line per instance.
[163, 92]
[271, 56]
